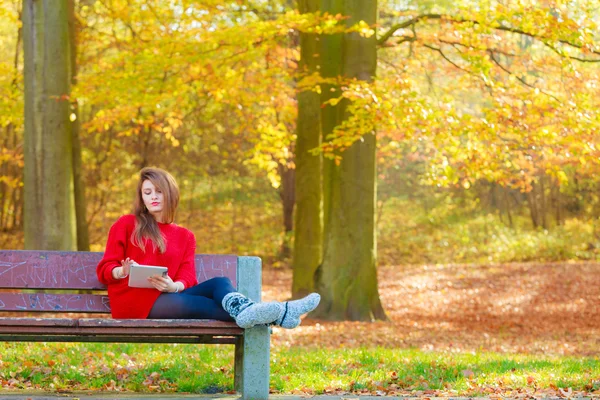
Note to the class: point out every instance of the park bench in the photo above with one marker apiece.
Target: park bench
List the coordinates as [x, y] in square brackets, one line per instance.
[62, 300]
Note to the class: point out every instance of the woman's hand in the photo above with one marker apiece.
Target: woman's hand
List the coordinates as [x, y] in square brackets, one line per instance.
[126, 266]
[163, 283]
[122, 272]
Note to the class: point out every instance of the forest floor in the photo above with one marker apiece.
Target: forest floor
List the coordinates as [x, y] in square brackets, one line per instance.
[534, 308]
[526, 331]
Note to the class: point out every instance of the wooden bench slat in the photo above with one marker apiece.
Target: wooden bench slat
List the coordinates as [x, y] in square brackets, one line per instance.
[204, 339]
[118, 323]
[63, 322]
[154, 323]
[49, 302]
[60, 270]
[77, 330]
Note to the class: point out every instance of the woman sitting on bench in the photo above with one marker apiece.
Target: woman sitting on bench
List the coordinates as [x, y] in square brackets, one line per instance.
[149, 237]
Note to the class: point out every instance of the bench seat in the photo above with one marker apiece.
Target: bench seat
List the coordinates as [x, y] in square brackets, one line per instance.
[111, 330]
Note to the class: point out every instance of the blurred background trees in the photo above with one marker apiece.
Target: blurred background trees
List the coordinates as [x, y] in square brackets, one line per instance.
[484, 113]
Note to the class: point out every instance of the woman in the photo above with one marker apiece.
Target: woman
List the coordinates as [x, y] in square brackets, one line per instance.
[150, 237]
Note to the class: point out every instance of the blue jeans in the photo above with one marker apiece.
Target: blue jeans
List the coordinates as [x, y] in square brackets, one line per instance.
[202, 301]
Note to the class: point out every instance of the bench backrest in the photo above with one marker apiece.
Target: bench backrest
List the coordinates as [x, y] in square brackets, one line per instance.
[59, 276]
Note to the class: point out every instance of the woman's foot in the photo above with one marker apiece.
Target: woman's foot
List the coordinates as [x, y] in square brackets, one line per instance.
[247, 313]
[291, 311]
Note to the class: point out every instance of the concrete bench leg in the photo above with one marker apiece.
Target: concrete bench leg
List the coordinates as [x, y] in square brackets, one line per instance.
[252, 364]
[252, 351]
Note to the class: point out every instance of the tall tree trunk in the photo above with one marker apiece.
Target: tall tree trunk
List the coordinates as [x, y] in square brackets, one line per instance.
[4, 168]
[557, 203]
[507, 205]
[533, 210]
[543, 210]
[83, 238]
[9, 192]
[49, 212]
[33, 50]
[347, 278]
[308, 233]
[17, 206]
[287, 193]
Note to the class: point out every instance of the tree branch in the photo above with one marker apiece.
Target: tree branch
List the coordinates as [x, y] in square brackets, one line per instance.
[413, 21]
[497, 51]
[522, 80]
[439, 50]
[403, 39]
[405, 24]
[554, 49]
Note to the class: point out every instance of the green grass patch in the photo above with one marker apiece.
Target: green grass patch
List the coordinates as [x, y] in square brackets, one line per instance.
[209, 369]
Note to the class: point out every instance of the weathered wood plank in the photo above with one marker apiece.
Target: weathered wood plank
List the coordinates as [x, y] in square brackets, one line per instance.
[63, 322]
[119, 339]
[105, 326]
[216, 265]
[49, 269]
[77, 270]
[116, 331]
[154, 323]
[55, 303]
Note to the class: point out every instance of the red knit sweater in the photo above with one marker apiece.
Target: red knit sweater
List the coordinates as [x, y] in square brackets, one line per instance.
[129, 302]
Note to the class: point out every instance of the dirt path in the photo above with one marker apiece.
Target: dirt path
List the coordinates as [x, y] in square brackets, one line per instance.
[531, 307]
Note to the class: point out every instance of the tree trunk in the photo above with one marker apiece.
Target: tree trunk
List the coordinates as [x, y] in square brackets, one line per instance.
[308, 233]
[507, 205]
[288, 200]
[557, 203]
[9, 193]
[543, 210]
[4, 167]
[49, 212]
[33, 51]
[347, 278]
[533, 211]
[83, 238]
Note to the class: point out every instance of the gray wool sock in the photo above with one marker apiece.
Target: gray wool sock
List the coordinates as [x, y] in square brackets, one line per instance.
[292, 310]
[248, 313]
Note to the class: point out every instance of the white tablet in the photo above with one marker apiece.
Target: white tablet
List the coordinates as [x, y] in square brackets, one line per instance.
[139, 274]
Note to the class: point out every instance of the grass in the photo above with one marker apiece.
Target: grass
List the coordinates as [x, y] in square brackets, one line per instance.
[209, 369]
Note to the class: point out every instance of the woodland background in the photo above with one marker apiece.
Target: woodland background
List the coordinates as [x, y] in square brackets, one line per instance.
[485, 115]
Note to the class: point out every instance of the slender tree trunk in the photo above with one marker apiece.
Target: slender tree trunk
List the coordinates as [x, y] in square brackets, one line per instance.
[308, 239]
[557, 203]
[533, 212]
[542, 209]
[3, 185]
[288, 199]
[287, 195]
[9, 192]
[49, 211]
[83, 238]
[18, 201]
[347, 278]
[507, 205]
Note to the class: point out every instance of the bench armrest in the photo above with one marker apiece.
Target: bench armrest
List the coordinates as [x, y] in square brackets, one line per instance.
[249, 277]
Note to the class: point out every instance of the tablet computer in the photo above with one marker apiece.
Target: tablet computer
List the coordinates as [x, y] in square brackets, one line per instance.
[139, 274]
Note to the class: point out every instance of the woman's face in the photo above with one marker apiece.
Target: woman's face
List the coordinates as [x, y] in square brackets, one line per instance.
[153, 199]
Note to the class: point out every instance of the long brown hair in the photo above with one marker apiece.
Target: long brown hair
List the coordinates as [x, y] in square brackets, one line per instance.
[146, 226]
